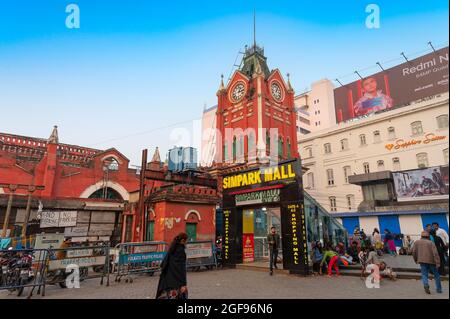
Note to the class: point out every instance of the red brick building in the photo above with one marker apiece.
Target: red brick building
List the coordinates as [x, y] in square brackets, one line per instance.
[94, 183]
[171, 205]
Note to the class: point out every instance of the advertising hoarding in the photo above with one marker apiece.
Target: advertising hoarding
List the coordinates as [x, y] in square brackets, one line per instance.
[422, 184]
[395, 87]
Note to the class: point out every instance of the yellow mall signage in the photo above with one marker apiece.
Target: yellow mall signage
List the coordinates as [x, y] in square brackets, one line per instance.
[263, 175]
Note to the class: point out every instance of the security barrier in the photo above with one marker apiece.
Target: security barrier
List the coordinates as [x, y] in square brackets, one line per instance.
[138, 258]
[78, 263]
[19, 269]
[65, 267]
[200, 253]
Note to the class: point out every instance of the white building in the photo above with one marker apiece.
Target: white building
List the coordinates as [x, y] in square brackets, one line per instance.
[315, 108]
[208, 142]
[409, 137]
[370, 145]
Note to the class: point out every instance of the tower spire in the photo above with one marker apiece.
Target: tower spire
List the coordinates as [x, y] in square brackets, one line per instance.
[54, 139]
[254, 28]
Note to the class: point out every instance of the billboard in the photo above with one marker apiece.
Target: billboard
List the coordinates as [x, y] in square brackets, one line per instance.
[394, 87]
[422, 184]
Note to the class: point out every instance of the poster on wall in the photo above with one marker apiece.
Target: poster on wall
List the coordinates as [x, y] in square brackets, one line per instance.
[249, 248]
[410, 81]
[422, 184]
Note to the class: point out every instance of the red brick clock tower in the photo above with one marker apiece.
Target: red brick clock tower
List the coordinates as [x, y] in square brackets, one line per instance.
[256, 115]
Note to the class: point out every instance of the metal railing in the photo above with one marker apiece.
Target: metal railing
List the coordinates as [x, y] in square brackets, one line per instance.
[138, 258]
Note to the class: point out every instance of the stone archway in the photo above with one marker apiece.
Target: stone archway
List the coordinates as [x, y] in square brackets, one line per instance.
[99, 185]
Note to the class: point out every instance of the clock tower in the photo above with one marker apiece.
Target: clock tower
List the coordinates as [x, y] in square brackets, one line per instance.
[256, 115]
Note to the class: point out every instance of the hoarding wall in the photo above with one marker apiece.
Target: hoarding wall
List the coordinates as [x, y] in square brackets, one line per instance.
[395, 87]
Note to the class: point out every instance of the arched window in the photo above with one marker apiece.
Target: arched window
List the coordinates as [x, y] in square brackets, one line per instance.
[344, 144]
[380, 165]
[366, 168]
[396, 164]
[288, 148]
[442, 121]
[347, 173]
[416, 128]
[225, 151]
[422, 160]
[106, 193]
[310, 179]
[111, 164]
[280, 147]
[267, 143]
[376, 137]
[362, 140]
[234, 149]
[333, 206]
[330, 177]
[391, 133]
[251, 152]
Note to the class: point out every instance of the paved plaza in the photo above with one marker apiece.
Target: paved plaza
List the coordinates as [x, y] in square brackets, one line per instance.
[247, 284]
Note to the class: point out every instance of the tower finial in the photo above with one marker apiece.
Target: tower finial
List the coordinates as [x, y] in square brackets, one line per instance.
[54, 139]
[222, 85]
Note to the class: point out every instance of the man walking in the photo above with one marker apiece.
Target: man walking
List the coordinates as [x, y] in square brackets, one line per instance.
[274, 243]
[426, 255]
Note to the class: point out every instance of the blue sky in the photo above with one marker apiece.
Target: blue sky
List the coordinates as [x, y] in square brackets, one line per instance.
[135, 67]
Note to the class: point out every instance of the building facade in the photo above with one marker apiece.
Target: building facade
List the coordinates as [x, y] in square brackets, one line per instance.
[350, 166]
[45, 178]
[315, 108]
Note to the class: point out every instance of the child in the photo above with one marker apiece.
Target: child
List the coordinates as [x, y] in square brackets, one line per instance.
[388, 272]
[333, 261]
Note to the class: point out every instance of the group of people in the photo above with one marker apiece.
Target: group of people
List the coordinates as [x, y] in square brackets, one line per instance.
[430, 251]
[328, 258]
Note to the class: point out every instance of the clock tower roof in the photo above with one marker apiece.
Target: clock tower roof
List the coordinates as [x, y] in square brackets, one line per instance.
[254, 61]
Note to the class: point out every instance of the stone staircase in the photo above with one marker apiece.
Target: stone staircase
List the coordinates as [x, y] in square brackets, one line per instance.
[404, 266]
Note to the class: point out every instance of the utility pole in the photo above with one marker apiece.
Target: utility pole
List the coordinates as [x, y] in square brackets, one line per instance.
[12, 189]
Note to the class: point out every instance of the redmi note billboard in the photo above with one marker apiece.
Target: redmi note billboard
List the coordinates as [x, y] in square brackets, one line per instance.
[394, 87]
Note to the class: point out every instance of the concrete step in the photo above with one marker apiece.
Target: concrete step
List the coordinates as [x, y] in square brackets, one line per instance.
[352, 270]
[262, 269]
[400, 274]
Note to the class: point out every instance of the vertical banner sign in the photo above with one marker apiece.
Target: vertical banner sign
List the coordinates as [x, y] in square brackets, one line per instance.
[226, 236]
[249, 248]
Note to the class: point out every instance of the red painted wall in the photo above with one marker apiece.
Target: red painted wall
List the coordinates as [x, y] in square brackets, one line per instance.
[206, 227]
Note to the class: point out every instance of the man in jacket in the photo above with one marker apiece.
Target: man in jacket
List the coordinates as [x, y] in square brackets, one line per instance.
[426, 255]
[274, 244]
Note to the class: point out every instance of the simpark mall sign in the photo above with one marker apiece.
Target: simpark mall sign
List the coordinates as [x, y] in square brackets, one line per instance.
[274, 186]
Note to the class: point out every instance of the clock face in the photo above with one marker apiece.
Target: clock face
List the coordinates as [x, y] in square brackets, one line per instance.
[276, 91]
[238, 92]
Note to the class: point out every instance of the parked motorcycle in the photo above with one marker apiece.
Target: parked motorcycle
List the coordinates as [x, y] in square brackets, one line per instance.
[16, 271]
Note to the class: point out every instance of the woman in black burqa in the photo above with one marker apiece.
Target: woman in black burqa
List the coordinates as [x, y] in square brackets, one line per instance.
[172, 281]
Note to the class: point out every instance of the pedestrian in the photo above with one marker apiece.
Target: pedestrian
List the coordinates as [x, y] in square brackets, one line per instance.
[273, 240]
[440, 246]
[377, 242]
[172, 281]
[409, 243]
[390, 243]
[428, 229]
[332, 258]
[426, 255]
[316, 257]
[353, 252]
[441, 233]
